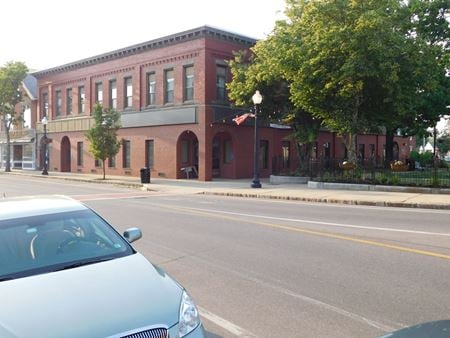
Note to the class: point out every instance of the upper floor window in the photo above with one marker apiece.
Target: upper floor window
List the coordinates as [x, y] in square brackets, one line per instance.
[113, 94]
[44, 107]
[169, 85]
[221, 77]
[69, 101]
[58, 102]
[188, 83]
[151, 92]
[128, 92]
[81, 99]
[99, 93]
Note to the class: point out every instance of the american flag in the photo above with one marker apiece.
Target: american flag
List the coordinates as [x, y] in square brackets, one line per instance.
[242, 118]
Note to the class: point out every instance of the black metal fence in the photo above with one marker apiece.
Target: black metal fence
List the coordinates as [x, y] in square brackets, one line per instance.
[370, 172]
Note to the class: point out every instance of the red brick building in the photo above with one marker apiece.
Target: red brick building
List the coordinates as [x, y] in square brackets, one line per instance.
[170, 92]
[174, 111]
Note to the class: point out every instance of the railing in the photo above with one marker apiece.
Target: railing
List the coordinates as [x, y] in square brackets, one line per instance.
[368, 172]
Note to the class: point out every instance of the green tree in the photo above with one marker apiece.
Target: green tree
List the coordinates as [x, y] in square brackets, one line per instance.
[427, 25]
[429, 19]
[356, 65]
[352, 64]
[11, 76]
[261, 71]
[103, 134]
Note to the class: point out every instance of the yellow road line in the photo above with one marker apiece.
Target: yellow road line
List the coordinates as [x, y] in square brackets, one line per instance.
[316, 233]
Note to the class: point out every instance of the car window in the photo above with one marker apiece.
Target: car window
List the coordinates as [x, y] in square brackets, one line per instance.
[45, 243]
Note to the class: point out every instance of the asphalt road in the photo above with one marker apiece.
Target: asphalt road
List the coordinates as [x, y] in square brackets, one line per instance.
[265, 268]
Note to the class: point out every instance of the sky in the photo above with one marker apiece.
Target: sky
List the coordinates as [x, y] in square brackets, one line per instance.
[50, 33]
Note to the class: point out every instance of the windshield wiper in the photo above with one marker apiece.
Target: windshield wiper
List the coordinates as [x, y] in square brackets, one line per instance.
[83, 263]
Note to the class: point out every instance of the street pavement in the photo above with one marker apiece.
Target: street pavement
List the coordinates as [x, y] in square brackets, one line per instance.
[275, 268]
[241, 188]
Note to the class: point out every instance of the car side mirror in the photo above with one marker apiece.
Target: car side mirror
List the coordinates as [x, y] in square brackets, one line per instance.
[132, 234]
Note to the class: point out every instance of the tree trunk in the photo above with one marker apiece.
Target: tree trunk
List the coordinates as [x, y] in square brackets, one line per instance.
[350, 143]
[304, 156]
[389, 147]
[104, 170]
[351, 140]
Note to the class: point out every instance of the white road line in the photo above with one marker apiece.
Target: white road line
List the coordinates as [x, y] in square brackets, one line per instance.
[296, 220]
[90, 199]
[225, 324]
[110, 196]
[313, 301]
[274, 285]
[347, 206]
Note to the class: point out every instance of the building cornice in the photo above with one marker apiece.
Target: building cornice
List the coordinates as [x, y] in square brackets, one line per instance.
[192, 34]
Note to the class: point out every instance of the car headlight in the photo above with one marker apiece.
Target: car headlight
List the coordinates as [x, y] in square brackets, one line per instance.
[189, 317]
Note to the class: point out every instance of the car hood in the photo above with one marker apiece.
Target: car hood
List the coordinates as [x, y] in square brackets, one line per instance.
[97, 300]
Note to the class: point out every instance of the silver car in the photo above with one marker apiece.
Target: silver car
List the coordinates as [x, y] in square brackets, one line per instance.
[65, 272]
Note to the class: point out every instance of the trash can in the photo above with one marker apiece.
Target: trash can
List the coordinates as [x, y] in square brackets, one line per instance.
[145, 175]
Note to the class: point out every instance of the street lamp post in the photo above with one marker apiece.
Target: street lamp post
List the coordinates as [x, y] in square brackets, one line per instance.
[44, 122]
[257, 99]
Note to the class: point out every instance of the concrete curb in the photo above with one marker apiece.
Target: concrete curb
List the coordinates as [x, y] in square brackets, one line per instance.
[81, 179]
[276, 180]
[382, 188]
[333, 200]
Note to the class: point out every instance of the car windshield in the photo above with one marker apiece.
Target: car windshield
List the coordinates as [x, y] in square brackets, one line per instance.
[47, 243]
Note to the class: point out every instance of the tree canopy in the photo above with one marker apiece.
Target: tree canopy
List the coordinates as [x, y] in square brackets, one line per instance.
[261, 70]
[356, 65]
[11, 77]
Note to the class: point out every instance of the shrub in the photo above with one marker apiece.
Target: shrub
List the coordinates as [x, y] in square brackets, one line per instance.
[414, 156]
[328, 177]
[394, 180]
[426, 159]
[383, 178]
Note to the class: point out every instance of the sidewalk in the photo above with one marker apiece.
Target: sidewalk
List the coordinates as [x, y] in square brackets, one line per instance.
[241, 188]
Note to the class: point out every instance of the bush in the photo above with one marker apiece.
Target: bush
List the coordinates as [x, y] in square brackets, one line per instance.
[327, 177]
[394, 180]
[414, 156]
[426, 159]
[382, 178]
